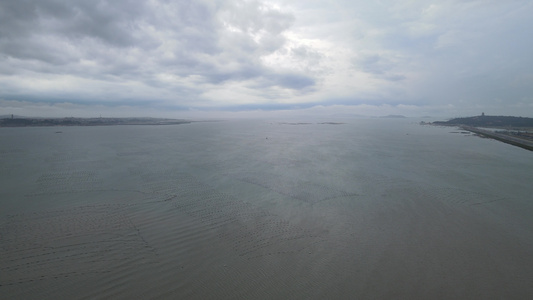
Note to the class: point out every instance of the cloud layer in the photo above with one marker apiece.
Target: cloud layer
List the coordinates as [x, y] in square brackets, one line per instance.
[242, 55]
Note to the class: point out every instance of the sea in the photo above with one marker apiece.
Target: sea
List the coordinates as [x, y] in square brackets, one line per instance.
[362, 208]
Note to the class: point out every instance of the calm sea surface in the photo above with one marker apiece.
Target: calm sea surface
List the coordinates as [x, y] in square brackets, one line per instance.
[367, 209]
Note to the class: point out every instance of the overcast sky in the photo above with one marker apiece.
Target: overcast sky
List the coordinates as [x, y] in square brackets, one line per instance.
[178, 57]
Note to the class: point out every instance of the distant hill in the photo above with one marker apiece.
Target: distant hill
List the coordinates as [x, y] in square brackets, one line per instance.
[489, 121]
[11, 116]
[393, 117]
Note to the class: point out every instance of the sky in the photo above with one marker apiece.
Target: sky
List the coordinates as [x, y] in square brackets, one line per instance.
[178, 58]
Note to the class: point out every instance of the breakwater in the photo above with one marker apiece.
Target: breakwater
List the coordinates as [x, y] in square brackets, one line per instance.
[522, 143]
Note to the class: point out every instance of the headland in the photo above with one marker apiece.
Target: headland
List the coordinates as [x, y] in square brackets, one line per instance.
[517, 131]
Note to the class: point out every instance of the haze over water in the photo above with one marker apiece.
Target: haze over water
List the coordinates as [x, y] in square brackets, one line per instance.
[371, 208]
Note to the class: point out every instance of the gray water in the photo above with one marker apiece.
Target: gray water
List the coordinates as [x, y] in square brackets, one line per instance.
[368, 209]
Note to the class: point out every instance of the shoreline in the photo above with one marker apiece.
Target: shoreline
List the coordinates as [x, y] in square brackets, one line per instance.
[522, 143]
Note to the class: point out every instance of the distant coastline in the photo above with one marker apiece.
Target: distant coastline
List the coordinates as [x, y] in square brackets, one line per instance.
[517, 131]
[393, 117]
[489, 121]
[47, 122]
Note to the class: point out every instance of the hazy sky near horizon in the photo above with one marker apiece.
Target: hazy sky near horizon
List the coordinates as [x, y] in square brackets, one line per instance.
[339, 56]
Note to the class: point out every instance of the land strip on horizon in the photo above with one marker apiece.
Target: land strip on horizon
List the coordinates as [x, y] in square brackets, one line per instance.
[38, 122]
